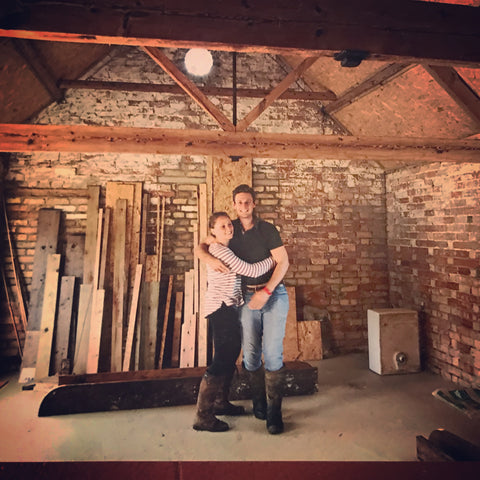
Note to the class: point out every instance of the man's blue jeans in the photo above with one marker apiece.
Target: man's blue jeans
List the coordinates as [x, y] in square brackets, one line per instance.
[263, 331]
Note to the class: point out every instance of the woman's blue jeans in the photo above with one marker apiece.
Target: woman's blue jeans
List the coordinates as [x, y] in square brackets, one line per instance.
[263, 331]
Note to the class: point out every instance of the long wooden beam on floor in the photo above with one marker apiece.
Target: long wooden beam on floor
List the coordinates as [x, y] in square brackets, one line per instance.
[83, 138]
[406, 31]
[155, 388]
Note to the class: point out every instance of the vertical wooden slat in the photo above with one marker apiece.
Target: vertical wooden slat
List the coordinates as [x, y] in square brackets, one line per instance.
[165, 321]
[93, 355]
[74, 256]
[152, 325]
[119, 284]
[91, 233]
[83, 329]
[47, 242]
[48, 317]
[64, 321]
[103, 255]
[202, 278]
[132, 319]
[187, 348]
[143, 235]
[290, 341]
[177, 325]
[162, 235]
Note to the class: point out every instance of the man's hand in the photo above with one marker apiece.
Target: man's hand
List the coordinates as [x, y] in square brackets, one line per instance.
[217, 265]
[258, 300]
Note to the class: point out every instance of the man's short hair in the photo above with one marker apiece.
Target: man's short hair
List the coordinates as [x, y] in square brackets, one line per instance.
[244, 188]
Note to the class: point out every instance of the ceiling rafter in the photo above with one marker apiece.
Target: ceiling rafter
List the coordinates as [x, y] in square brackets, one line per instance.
[394, 31]
[291, 78]
[369, 85]
[189, 87]
[29, 53]
[83, 138]
[452, 82]
[209, 91]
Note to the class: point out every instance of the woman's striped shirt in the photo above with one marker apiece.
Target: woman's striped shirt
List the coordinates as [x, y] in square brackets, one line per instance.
[227, 287]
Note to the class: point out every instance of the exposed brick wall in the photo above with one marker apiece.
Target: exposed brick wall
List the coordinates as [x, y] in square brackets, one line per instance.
[332, 217]
[434, 260]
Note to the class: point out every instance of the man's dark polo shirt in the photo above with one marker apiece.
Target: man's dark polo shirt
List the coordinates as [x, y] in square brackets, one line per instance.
[254, 245]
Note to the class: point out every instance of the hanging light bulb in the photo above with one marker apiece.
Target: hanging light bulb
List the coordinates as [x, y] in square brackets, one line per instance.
[198, 61]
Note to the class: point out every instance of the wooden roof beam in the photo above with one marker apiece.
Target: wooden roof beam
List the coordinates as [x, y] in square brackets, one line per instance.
[189, 87]
[449, 79]
[82, 138]
[367, 86]
[209, 91]
[292, 77]
[29, 53]
[389, 30]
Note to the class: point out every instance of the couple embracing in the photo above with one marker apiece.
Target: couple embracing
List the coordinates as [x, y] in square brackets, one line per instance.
[247, 305]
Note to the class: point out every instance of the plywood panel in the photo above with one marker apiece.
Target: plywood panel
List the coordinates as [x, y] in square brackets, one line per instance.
[310, 340]
[226, 176]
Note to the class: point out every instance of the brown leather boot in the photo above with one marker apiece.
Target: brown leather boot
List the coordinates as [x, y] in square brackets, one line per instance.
[221, 405]
[274, 382]
[204, 418]
[257, 387]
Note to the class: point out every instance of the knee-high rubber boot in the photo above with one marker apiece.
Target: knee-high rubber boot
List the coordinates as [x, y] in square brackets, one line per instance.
[221, 405]
[257, 386]
[274, 382]
[204, 418]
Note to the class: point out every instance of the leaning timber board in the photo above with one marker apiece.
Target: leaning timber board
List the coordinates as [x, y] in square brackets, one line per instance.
[47, 243]
[154, 388]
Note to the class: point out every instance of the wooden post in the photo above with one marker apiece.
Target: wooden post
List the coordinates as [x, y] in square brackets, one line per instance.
[165, 321]
[132, 319]
[119, 273]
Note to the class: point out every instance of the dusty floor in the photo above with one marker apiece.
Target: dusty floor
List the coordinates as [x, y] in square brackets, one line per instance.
[356, 415]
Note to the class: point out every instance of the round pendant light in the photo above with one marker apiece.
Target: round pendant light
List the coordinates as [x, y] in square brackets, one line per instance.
[198, 61]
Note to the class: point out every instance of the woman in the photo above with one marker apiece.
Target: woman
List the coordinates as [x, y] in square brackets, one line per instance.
[223, 297]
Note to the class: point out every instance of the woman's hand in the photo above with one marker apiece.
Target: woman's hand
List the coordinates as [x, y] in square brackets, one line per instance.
[217, 265]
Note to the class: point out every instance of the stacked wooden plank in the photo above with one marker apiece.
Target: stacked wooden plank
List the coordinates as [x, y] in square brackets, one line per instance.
[113, 315]
[105, 317]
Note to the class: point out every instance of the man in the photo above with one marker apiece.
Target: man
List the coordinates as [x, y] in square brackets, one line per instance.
[264, 315]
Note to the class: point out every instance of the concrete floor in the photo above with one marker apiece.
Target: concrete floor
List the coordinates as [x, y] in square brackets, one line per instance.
[356, 415]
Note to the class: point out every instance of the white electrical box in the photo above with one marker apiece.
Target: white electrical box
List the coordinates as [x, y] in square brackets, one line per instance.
[393, 341]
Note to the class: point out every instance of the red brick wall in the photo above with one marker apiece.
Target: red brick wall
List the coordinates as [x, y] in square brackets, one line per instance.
[434, 260]
[331, 216]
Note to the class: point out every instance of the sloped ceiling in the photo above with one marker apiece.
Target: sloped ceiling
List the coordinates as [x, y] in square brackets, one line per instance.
[411, 103]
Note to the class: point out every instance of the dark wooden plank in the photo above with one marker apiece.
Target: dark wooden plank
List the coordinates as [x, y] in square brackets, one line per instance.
[64, 322]
[163, 389]
[388, 30]
[73, 254]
